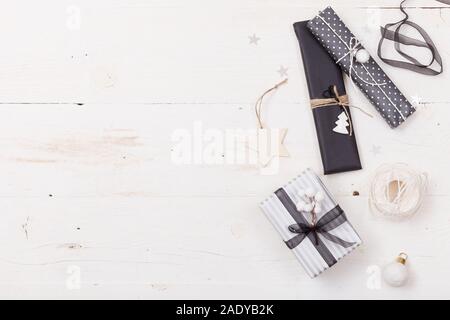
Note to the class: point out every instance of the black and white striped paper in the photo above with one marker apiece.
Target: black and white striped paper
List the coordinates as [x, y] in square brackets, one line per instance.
[306, 252]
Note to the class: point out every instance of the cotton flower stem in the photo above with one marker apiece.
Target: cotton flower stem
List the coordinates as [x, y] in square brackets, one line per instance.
[313, 212]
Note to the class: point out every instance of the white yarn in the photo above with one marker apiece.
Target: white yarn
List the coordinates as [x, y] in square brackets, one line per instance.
[397, 191]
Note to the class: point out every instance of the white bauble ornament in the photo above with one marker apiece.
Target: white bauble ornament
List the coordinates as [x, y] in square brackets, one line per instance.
[310, 192]
[396, 274]
[362, 56]
[319, 197]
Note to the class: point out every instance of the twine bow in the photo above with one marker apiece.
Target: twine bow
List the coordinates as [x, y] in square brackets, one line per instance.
[353, 47]
[340, 100]
[400, 39]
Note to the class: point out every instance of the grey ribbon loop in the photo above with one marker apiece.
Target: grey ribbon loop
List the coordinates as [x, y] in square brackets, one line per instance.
[398, 39]
[331, 220]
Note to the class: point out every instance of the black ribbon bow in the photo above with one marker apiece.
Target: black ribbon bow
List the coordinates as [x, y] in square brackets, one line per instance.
[331, 220]
[400, 39]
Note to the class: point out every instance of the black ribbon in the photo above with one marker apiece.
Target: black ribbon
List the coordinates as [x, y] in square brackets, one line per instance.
[398, 39]
[304, 229]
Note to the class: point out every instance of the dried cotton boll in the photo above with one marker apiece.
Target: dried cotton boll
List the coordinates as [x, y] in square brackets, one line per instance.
[301, 193]
[310, 192]
[300, 206]
[308, 207]
[319, 197]
[318, 209]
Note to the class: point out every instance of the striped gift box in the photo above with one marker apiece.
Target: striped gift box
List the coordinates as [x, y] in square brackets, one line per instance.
[316, 248]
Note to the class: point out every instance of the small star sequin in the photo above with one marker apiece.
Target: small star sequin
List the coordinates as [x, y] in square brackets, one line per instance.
[283, 71]
[254, 39]
[376, 150]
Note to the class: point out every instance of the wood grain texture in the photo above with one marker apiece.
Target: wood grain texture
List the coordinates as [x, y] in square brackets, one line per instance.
[87, 114]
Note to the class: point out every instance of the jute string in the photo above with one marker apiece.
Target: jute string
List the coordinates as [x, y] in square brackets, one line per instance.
[259, 102]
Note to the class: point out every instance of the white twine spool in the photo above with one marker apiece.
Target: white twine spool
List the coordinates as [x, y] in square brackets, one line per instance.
[397, 191]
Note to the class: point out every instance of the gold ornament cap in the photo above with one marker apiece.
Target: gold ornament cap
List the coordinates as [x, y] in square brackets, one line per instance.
[402, 257]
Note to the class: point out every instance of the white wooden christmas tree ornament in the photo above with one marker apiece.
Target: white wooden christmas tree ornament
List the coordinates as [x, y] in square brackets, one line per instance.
[342, 124]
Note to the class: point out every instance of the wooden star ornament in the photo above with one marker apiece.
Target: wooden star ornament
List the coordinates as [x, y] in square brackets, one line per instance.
[270, 144]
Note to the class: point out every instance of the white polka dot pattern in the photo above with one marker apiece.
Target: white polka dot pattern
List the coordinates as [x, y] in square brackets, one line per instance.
[336, 38]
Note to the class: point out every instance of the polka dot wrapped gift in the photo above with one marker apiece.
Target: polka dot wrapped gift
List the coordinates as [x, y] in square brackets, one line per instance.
[363, 70]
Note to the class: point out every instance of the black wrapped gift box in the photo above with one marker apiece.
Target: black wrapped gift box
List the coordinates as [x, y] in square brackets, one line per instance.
[338, 148]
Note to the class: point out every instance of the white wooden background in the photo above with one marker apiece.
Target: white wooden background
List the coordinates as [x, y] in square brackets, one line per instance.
[88, 187]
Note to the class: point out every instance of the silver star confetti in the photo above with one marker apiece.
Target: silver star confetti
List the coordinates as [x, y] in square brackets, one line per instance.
[376, 150]
[254, 39]
[416, 100]
[283, 71]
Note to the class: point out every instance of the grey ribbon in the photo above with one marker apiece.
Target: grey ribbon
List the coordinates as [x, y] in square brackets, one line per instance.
[398, 39]
[304, 229]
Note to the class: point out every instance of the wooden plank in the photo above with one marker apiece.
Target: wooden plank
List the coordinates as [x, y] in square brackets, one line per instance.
[157, 248]
[90, 145]
[127, 51]
[93, 204]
